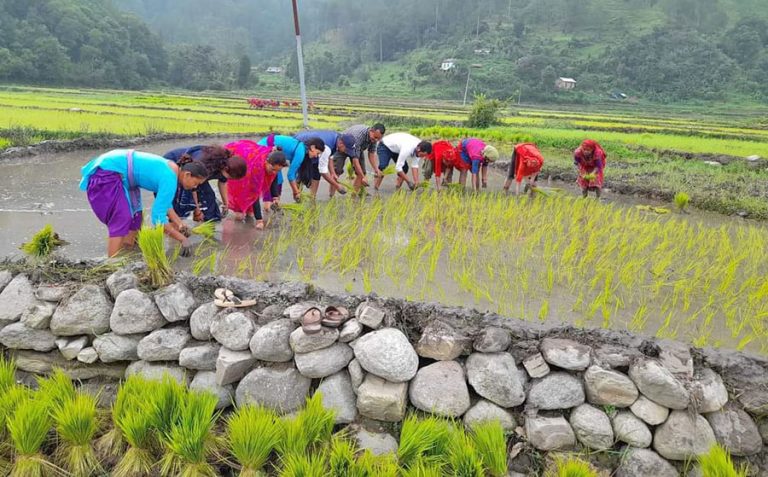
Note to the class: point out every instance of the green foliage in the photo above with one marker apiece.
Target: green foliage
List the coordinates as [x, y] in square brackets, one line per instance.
[303, 465]
[309, 429]
[425, 438]
[244, 71]
[42, 243]
[681, 200]
[718, 463]
[57, 389]
[464, 459]
[189, 442]
[485, 112]
[491, 445]
[76, 422]
[7, 373]
[206, 229]
[151, 242]
[252, 434]
[28, 429]
[571, 466]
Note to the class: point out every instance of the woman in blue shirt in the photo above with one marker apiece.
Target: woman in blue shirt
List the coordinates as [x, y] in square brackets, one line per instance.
[295, 152]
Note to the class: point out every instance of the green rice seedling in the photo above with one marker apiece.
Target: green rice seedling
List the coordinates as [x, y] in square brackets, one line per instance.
[28, 429]
[303, 465]
[369, 465]
[681, 200]
[341, 456]
[311, 427]
[491, 445]
[7, 373]
[42, 243]
[151, 242]
[570, 466]
[389, 170]
[76, 424]
[136, 423]
[426, 438]
[58, 389]
[464, 459]
[718, 463]
[206, 229]
[190, 442]
[422, 468]
[252, 433]
[164, 400]
[111, 444]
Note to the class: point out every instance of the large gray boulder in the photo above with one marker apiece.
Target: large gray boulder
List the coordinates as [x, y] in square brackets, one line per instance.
[708, 392]
[271, 342]
[387, 354]
[205, 381]
[232, 366]
[439, 341]
[607, 387]
[645, 463]
[280, 388]
[492, 340]
[301, 342]
[233, 330]
[650, 412]
[658, 384]
[683, 436]
[38, 315]
[338, 396]
[382, 400]
[549, 433]
[592, 427]
[324, 362]
[485, 411]
[19, 336]
[558, 390]
[120, 281]
[736, 430]
[495, 377]
[630, 429]
[175, 302]
[112, 347]
[134, 312]
[157, 372]
[87, 312]
[164, 344]
[16, 297]
[440, 388]
[201, 320]
[200, 356]
[566, 354]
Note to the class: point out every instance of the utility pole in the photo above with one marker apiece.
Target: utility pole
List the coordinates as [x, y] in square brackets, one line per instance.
[381, 50]
[437, 6]
[466, 87]
[300, 58]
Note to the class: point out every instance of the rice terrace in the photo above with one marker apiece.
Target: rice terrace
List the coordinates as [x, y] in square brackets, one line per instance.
[499, 238]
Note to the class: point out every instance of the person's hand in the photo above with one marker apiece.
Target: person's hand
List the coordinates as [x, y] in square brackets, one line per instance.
[411, 185]
[197, 215]
[379, 174]
[224, 210]
[184, 229]
[186, 248]
[297, 196]
[364, 181]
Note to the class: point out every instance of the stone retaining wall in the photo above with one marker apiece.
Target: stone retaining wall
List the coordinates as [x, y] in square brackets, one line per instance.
[553, 388]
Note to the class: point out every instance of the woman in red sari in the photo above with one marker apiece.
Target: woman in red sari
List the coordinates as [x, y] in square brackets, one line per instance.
[263, 164]
[590, 163]
[443, 158]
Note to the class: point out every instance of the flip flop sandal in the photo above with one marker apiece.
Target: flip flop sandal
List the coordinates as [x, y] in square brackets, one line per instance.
[311, 322]
[220, 294]
[335, 316]
[232, 304]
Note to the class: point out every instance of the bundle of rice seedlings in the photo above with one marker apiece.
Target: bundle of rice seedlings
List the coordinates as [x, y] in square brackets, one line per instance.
[718, 463]
[58, 389]
[303, 465]
[571, 466]
[369, 465]
[7, 373]
[681, 200]
[112, 444]
[423, 468]
[423, 439]
[165, 400]
[206, 229]
[42, 243]
[28, 429]
[312, 426]
[590, 177]
[9, 401]
[190, 441]
[491, 445]
[136, 424]
[252, 433]
[76, 424]
[389, 170]
[341, 456]
[350, 169]
[151, 242]
[463, 457]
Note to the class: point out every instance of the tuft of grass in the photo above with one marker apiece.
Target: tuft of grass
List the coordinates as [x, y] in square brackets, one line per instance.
[57, 389]
[190, 442]
[369, 465]
[310, 428]
[7, 373]
[681, 200]
[426, 438]
[389, 170]
[76, 423]
[303, 465]
[463, 458]
[28, 429]
[718, 463]
[206, 229]
[151, 242]
[112, 444]
[164, 401]
[341, 457]
[136, 423]
[422, 468]
[571, 466]
[42, 243]
[252, 433]
[491, 444]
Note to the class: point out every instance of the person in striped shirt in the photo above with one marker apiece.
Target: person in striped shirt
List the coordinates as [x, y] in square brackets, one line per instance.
[366, 139]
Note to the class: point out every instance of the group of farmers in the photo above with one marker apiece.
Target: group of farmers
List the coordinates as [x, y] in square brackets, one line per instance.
[248, 175]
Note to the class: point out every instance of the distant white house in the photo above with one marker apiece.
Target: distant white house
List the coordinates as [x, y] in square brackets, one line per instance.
[565, 83]
[482, 51]
[448, 64]
[275, 69]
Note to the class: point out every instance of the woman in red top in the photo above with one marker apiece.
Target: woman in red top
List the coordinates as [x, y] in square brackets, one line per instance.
[443, 157]
[589, 159]
[525, 165]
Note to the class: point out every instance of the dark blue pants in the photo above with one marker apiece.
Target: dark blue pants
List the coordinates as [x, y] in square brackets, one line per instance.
[184, 204]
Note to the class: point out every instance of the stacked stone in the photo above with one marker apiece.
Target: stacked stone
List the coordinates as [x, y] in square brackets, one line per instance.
[558, 394]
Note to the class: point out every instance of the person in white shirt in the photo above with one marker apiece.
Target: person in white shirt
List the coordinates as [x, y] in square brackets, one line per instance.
[405, 150]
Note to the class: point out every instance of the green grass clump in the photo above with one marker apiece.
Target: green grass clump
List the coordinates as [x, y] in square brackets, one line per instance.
[718, 463]
[571, 467]
[112, 444]
[464, 460]
[491, 444]
[309, 429]
[304, 465]
[136, 423]
[28, 429]
[42, 243]
[76, 424]
[190, 442]
[151, 242]
[389, 170]
[252, 433]
[58, 389]
[206, 229]
[341, 456]
[7, 373]
[424, 438]
[681, 200]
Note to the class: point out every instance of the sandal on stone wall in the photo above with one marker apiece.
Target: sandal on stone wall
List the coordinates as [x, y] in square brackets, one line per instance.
[311, 322]
[225, 298]
[335, 316]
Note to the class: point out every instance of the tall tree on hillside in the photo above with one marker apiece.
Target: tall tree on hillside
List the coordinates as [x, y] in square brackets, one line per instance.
[244, 71]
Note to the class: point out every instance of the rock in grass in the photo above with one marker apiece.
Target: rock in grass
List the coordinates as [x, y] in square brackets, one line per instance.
[205, 381]
[630, 429]
[135, 312]
[16, 298]
[556, 391]
[271, 342]
[175, 302]
[708, 392]
[200, 356]
[439, 341]
[280, 388]
[324, 362]
[38, 315]
[70, 348]
[566, 354]
[607, 387]
[112, 347]
[736, 430]
[338, 396]
[233, 330]
[492, 340]
[495, 377]
[683, 436]
[155, 371]
[382, 400]
[485, 411]
[658, 384]
[164, 344]
[592, 427]
[120, 281]
[645, 463]
[387, 353]
[19, 336]
[87, 312]
[549, 433]
[232, 366]
[650, 412]
[440, 388]
[378, 443]
[201, 320]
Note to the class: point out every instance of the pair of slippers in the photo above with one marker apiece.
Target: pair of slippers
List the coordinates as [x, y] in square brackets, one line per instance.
[313, 320]
[225, 298]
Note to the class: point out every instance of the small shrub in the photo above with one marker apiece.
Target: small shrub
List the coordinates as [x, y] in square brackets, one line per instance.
[718, 463]
[491, 444]
[252, 434]
[28, 429]
[76, 424]
[681, 200]
[151, 242]
[42, 243]
[485, 112]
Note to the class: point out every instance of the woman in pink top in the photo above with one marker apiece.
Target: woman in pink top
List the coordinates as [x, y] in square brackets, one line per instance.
[476, 155]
